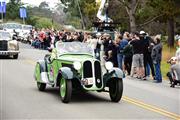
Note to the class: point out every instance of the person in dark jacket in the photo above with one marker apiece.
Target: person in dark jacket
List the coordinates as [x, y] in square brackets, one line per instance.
[156, 57]
[137, 61]
[147, 54]
[128, 54]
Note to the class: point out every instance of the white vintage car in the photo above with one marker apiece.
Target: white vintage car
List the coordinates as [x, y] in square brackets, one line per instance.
[8, 46]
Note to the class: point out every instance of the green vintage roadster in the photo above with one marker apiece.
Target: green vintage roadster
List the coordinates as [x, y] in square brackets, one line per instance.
[72, 65]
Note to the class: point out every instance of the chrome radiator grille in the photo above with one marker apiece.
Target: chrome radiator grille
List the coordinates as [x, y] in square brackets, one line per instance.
[97, 71]
[88, 72]
[3, 45]
[87, 69]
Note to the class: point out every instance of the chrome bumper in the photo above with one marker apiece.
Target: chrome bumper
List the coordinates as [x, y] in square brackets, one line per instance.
[9, 52]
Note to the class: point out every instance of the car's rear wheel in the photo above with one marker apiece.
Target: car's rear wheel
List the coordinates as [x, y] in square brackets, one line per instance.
[65, 90]
[115, 89]
[15, 56]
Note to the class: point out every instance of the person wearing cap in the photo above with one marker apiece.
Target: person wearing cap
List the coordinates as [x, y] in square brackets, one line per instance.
[147, 54]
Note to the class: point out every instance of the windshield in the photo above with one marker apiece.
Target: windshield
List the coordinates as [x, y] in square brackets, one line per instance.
[73, 48]
[27, 27]
[5, 36]
[13, 26]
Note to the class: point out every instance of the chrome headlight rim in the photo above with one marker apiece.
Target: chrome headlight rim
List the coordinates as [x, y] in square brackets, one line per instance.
[77, 65]
[109, 65]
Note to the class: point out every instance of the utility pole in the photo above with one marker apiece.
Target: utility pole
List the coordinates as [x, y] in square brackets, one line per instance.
[2, 16]
[2, 9]
[83, 25]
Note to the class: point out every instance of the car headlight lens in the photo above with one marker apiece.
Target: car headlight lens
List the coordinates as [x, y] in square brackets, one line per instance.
[109, 65]
[77, 65]
[12, 45]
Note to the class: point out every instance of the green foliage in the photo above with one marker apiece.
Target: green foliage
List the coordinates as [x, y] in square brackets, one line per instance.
[87, 7]
[42, 22]
[168, 8]
[12, 9]
[40, 17]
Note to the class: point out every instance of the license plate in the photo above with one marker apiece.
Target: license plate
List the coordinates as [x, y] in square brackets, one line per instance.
[90, 81]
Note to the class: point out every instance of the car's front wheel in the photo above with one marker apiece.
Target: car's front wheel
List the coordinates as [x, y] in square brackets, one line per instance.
[41, 86]
[65, 90]
[115, 89]
[15, 56]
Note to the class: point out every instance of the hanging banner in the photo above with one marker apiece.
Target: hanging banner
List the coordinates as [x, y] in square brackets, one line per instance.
[2, 7]
[22, 12]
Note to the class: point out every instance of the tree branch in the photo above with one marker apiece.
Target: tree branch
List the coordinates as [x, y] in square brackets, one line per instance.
[124, 3]
[135, 8]
[149, 21]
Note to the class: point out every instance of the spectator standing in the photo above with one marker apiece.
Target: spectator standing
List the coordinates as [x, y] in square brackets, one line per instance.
[178, 50]
[128, 54]
[122, 44]
[147, 53]
[98, 46]
[156, 57]
[138, 61]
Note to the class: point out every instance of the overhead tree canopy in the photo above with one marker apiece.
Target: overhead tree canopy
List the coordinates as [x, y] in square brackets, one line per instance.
[12, 9]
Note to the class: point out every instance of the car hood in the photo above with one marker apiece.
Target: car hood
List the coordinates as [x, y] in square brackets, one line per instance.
[76, 57]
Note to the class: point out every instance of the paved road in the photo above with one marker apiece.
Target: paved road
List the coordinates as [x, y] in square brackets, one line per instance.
[21, 100]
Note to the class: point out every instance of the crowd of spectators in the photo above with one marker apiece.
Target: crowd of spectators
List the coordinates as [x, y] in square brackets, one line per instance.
[135, 53]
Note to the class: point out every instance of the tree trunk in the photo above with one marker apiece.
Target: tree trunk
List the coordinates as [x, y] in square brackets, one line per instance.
[132, 11]
[170, 22]
[132, 21]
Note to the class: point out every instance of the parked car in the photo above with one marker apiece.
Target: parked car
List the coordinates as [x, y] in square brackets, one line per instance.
[12, 27]
[72, 65]
[8, 45]
[24, 36]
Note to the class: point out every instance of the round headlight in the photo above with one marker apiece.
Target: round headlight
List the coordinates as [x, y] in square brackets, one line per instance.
[109, 65]
[77, 65]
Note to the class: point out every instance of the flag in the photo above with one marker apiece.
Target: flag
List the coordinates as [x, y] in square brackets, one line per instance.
[2, 7]
[22, 12]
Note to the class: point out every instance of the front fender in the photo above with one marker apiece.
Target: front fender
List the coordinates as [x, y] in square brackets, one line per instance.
[118, 73]
[113, 73]
[66, 72]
